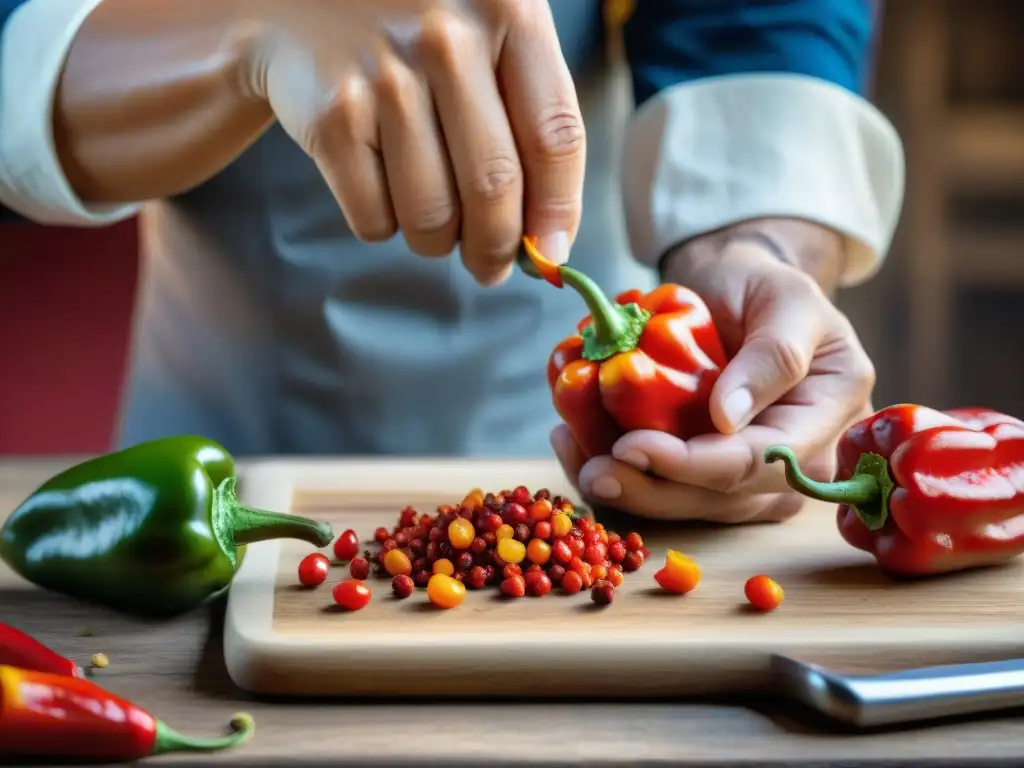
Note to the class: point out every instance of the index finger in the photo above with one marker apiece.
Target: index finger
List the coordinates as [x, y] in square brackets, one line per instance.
[544, 112]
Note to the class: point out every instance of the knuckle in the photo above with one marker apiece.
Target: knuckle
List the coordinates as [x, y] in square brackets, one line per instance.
[789, 358]
[445, 37]
[433, 227]
[863, 373]
[560, 134]
[496, 179]
[798, 286]
[341, 117]
[435, 216]
[396, 85]
[858, 367]
[737, 482]
[804, 285]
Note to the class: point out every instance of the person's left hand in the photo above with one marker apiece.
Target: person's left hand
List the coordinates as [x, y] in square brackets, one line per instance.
[798, 376]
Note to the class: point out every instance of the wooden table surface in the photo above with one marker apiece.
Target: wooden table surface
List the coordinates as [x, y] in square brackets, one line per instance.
[176, 670]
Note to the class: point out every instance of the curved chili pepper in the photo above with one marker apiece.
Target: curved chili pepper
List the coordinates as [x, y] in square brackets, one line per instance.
[538, 266]
[20, 650]
[644, 361]
[925, 491]
[154, 529]
[54, 716]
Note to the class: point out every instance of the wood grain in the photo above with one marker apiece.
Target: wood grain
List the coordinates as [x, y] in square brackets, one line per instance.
[839, 609]
[176, 669]
[828, 585]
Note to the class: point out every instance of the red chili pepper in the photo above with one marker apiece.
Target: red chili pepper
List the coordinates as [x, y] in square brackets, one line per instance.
[19, 650]
[925, 491]
[55, 716]
[644, 361]
[546, 270]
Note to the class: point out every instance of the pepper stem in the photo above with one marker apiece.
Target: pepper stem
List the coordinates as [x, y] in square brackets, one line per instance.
[867, 491]
[236, 524]
[614, 328]
[169, 740]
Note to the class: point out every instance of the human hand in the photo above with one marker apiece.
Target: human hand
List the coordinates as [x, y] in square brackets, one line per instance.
[357, 84]
[798, 376]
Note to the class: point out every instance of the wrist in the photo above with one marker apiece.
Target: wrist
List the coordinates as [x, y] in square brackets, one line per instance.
[811, 248]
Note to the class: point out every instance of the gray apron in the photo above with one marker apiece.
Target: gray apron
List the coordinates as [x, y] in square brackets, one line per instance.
[263, 323]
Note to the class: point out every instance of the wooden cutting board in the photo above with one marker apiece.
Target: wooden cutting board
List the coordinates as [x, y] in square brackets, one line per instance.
[839, 610]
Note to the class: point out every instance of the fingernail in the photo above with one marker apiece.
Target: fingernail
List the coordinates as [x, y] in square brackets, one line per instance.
[635, 459]
[606, 488]
[737, 405]
[554, 247]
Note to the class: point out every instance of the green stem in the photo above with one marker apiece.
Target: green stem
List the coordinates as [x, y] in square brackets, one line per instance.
[859, 489]
[615, 328]
[236, 524]
[867, 491]
[169, 740]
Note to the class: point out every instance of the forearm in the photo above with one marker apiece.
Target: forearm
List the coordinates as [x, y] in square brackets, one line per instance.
[152, 98]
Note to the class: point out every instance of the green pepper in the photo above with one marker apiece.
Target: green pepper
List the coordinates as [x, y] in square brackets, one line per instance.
[155, 529]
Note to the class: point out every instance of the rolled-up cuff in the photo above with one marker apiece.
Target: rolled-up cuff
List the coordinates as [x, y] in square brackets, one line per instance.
[703, 155]
[34, 44]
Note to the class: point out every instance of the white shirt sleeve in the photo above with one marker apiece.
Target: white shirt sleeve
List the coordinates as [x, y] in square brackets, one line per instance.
[33, 46]
[703, 155]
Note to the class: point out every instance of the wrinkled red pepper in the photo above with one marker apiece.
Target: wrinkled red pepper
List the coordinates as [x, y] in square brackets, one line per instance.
[926, 491]
[644, 361]
[56, 716]
[20, 650]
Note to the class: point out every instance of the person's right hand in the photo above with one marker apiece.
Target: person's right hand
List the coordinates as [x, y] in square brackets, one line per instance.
[453, 121]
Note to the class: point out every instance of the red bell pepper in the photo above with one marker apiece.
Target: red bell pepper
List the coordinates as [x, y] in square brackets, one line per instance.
[644, 361]
[56, 716]
[924, 491]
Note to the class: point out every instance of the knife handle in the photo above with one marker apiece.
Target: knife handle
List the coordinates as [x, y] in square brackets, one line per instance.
[905, 696]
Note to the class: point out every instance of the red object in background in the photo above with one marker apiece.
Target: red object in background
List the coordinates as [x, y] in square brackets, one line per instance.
[66, 301]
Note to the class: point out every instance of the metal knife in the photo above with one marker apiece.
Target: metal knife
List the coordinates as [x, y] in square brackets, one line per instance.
[926, 693]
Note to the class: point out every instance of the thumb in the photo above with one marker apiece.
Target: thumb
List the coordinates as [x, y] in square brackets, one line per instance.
[782, 334]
